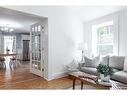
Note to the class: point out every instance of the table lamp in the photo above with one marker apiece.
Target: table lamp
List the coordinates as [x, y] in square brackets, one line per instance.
[83, 47]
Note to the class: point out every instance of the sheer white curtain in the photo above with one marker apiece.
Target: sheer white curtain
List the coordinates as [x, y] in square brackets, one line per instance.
[10, 44]
[14, 44]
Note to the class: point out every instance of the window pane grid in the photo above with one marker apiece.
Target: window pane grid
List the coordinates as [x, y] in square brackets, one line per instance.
[104, 42]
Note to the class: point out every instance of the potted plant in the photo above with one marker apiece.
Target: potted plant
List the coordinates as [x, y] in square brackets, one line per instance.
[105, 72]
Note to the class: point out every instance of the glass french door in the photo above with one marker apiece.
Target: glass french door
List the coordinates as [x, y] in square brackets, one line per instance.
[36, 50]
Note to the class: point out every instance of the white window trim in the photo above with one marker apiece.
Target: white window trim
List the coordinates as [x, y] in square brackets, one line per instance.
[115, 29]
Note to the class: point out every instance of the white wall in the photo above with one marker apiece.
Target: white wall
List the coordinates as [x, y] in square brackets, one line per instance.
[64, 33]
[120, 21]
[64, 38]
[123, 33]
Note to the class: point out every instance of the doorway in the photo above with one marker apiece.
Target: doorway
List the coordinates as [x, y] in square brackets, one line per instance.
[26, 55]
[39, 52]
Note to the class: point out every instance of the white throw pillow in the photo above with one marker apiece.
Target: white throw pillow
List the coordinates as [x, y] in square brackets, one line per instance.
[105, 60]
[125, 64]
[117, 62]
[73, 66]
[94, 62]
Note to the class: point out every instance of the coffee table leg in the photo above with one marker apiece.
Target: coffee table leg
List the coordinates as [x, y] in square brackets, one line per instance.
[81, 85]
[73, 84]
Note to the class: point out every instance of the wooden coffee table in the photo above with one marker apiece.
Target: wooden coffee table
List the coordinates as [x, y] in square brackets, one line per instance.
[89, 79]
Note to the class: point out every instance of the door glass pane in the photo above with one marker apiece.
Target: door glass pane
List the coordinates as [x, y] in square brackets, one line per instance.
[39, 65]
[32, 29]
[36, 65]
[35, 28]
[33, 56]
[36, 47]
[39, 58]
[39, 28]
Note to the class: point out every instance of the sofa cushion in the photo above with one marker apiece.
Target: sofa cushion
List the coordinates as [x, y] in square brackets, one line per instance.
[120, 76]
[92, 62]
[125, 64]
[105, 60]
[116, 62]
[115, 70]
[89, 70]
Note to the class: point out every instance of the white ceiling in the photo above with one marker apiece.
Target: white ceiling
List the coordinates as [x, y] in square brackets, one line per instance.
[87, 13]
[19, 21]
[22, 21]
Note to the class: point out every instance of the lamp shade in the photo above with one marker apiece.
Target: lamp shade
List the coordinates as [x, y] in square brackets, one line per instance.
[82, 46]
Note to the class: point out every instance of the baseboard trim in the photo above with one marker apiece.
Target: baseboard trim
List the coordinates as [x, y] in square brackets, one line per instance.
[59, 75]
[48, 79]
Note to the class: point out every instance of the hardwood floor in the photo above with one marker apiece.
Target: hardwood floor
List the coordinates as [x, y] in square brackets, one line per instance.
[21, 78]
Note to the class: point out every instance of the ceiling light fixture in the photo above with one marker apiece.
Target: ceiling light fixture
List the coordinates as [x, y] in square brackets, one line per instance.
[6, 28]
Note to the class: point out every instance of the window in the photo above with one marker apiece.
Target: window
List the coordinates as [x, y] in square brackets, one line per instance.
[103, 38]
[9, 43]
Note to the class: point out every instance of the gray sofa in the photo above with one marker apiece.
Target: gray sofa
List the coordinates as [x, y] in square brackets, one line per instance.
[116, 62]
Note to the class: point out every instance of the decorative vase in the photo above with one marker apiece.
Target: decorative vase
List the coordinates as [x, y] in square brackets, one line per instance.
[105, 78]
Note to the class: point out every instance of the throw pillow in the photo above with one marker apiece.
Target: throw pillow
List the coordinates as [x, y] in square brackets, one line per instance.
[125, 64]
[88, 62]
[105, 60]
[94, 62]
[116, 62]
[73, 66]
